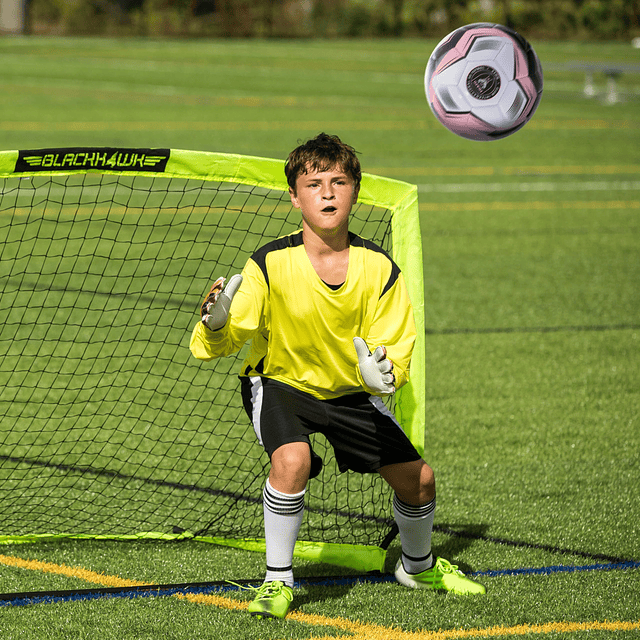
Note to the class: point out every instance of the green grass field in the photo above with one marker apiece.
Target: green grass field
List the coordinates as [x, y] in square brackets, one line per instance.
[532, 284]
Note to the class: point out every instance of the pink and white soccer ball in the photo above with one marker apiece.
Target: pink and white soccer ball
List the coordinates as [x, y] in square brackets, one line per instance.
[483, 81]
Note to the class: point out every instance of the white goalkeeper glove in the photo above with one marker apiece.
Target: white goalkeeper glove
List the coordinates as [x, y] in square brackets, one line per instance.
[375, 368]
[215, 308]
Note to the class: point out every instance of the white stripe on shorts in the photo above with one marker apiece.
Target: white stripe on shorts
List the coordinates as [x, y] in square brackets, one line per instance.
[377, 402]
[256, 403]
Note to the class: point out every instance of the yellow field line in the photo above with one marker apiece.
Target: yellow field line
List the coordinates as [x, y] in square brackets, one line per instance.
[70, 572]
[357, 630]
[289, 125]
[375, 632]
[596, 169]
[369, 631]
[216, 125]
[529, 206]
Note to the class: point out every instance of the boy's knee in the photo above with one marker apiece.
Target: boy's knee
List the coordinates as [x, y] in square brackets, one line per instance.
[290, 467]
[413, 482]
[421, 485]
[427, 484]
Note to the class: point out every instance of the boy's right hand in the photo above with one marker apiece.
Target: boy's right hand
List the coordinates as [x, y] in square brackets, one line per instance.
[375, 368]
[215, 308]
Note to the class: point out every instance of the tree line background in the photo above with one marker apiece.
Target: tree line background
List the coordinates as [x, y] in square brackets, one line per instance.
[551, 19]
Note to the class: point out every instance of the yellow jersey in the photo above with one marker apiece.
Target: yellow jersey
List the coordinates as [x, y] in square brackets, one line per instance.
[302, 329]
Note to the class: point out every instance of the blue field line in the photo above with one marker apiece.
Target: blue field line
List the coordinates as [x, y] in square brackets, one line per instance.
[388, 577]
[560, 568]
[151, 591]
[98, 595]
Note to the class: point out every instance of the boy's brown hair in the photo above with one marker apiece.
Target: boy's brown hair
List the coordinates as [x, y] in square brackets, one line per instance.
[322, 153]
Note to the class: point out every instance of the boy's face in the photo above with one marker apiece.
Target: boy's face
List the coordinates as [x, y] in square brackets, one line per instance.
[325, 199]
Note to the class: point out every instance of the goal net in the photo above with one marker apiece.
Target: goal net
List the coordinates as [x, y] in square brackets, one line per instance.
[109, 428]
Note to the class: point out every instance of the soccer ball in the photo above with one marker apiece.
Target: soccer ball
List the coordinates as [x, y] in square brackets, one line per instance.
[483, 81]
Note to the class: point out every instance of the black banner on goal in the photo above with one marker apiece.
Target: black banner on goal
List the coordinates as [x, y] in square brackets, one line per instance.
[87, 158]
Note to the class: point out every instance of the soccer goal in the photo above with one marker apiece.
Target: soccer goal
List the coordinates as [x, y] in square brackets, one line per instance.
[109, 428]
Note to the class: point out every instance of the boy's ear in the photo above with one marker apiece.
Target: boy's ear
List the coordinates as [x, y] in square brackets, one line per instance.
[294, 198]
[356, 191]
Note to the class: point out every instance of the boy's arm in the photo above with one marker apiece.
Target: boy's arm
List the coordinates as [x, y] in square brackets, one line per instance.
[236, 312]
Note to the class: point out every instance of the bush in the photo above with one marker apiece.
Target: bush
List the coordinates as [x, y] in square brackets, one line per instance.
[598, 19]
[604, 19]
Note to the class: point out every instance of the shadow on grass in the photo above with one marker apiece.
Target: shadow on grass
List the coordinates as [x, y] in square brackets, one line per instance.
[318, 595]
[460, 538]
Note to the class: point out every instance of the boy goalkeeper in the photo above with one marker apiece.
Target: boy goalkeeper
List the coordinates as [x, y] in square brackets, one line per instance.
[314, 304]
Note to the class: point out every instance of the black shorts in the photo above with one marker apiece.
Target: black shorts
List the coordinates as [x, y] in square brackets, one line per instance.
[362, 431]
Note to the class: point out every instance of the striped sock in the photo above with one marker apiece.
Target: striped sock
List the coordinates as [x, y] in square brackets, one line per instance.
[415, 525]
[282, 519]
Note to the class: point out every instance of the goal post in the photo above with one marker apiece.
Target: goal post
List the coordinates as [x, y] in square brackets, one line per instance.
[108, 428]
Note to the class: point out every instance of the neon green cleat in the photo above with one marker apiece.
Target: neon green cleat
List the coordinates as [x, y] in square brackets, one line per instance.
[272, 600]
[443, 575]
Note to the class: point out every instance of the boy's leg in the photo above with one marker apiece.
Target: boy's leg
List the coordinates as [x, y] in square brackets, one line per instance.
[283, 418]
[283, 497]
[414, 506]
[284, 507]
[282, 519]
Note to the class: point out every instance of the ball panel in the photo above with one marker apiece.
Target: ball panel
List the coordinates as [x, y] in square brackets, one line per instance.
[452, 99]
[533, 98]
[506, 60]
[485, 49]
[465, 44]
[452, 74]
[518, 102]
[469, 126]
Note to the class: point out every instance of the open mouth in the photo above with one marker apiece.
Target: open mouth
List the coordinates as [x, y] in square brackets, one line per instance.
[329, 209]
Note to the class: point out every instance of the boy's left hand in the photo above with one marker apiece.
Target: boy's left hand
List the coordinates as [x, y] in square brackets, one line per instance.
[215, 308]
[375, 368]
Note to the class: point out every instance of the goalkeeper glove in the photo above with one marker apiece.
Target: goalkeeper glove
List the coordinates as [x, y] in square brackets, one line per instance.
[215, 308]
[376, 369]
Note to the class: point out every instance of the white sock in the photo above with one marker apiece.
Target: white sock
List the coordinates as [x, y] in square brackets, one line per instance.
[415, 525]
[282, 519]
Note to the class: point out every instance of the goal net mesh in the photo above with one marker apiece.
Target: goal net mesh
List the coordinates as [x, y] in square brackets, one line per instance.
[108, 425]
